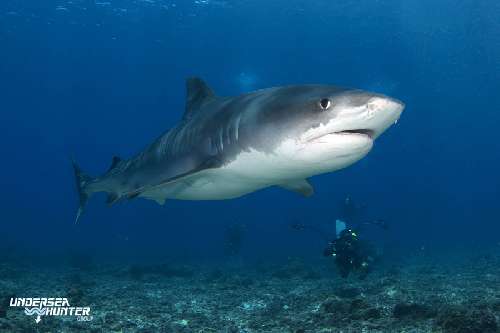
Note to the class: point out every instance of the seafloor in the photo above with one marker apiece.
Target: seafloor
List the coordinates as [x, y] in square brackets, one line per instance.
[420, 294]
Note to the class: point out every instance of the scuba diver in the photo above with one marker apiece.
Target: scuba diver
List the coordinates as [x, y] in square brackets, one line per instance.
[350, 253]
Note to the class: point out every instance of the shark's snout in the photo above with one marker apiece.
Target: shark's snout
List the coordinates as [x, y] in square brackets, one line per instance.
[382, 112]
[395, 105]
[384, 104]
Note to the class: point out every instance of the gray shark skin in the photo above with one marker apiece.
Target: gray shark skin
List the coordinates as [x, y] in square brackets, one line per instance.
[225, 147]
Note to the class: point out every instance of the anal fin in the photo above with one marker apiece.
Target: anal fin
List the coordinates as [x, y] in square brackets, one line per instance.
[112, 199]
[133, 195]
[159, 201]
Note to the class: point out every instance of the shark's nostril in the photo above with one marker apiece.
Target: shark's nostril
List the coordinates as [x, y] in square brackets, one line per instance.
[371, 106]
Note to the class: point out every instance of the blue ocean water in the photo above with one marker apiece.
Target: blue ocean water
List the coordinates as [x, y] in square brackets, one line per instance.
[93, 79]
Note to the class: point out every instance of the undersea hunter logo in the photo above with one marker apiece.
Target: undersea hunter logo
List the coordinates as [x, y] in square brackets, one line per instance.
[41, 306]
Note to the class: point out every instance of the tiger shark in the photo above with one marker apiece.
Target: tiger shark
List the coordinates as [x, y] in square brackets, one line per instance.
[226, 147]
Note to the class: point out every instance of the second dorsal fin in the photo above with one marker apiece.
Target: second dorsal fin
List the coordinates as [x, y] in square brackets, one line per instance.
[114, 162]
[197, 93]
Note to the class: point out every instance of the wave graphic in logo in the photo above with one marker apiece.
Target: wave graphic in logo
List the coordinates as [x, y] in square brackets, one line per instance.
[35, 311]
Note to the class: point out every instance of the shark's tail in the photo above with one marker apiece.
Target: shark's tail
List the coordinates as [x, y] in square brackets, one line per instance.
[82, 179]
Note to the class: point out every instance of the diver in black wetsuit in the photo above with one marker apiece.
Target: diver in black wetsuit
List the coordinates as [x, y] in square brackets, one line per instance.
[350, 253]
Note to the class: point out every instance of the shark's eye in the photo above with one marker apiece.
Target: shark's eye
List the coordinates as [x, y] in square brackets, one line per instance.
[325, 103]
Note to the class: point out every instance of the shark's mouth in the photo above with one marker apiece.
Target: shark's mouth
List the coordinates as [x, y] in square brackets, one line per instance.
[366, 132]
[363, 132]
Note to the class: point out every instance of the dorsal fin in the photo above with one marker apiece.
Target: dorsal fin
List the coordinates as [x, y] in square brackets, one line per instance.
[114, 163]
[197, 93]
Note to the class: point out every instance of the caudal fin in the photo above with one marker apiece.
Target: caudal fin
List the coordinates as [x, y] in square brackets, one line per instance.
[82, 180]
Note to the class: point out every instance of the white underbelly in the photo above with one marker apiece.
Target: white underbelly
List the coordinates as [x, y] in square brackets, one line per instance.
[249, 172]
[214, 184]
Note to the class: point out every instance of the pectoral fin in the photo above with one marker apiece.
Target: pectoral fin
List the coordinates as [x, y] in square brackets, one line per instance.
[300, 186]
[204, 165]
